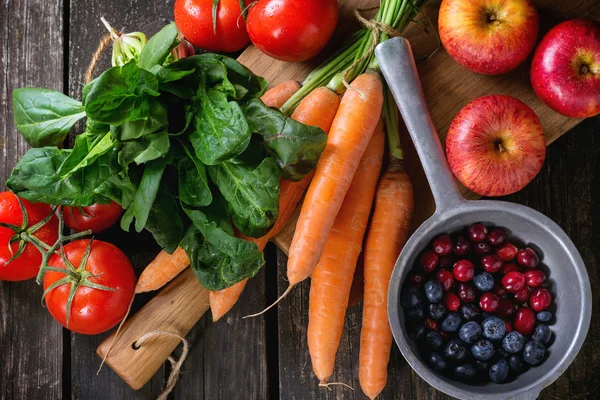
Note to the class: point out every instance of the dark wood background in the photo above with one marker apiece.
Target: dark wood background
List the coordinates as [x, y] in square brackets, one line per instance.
[47, 43]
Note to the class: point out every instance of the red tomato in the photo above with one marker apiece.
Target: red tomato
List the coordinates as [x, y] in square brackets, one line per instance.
[92, 310]
[292, 30]
[194, 20]
[27, 265]
[97, 217]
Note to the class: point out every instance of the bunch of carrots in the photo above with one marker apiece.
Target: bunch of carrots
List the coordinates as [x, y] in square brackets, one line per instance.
[344, 191]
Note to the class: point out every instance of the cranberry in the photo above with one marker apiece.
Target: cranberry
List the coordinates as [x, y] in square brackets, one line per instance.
[462, 247]
[463, 270]
[466, 293]
[506, 308]
[451, 301]
[482, 248]
[528, 258]
[497, 237]
[524, 321]
[442, 245]
[513, 281]
[540, 299]
[477, 232]
[522, 296]
[489, 302]
[445, 278]
[507, 252]
[534, 277]
[499, 289]
[510, 267]
[446, 261]
[509, 327]
[431, 324]
[491, 263]
[429, 261]
[417, 279]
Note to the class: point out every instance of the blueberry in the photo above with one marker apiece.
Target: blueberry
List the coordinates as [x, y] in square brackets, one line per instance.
[493, 328]
[455, 350]
[436, 361]
[437, 310]
[483, 350]
[433, 291]
[534, 352]
[513, 342]
[470, 332]
[416, 312]
[544, 316]
[484, 281]
[466, 371]
[434, 340]
[515, 362]
[451, 323]
[469, 312]
[499, 371]
[416, 330]
[542, 334]
[410, 297]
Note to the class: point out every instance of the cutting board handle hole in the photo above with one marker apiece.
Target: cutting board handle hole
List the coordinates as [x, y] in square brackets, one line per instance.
[135, 346]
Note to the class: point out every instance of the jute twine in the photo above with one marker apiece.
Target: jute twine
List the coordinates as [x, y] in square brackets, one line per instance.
[95, 57]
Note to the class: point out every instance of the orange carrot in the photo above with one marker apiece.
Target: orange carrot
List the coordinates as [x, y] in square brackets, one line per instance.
[349, 136]
[332, 278]
[165, 266]
[388, 232]
[279, 94]
[317, 109]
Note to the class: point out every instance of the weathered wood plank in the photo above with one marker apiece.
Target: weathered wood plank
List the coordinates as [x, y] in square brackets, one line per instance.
[31, 343]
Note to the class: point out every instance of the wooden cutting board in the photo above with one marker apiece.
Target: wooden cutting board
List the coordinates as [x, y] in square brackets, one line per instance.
[448, 87]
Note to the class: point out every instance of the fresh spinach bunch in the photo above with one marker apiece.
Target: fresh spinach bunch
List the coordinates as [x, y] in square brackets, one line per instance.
[185, 146]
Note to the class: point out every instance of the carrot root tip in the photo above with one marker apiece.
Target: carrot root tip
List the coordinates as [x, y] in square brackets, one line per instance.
[289, 289]
[327, 385]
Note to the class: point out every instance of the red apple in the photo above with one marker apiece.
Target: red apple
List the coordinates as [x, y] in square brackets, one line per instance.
[495, 145]
[488, 36]
[565, 72]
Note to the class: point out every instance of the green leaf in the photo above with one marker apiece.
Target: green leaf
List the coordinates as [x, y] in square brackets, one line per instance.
[296, 146]
[88, 147]
[218, 259]
[156, 51]
[164, 221]
[165, 75]
[154, 122]
[252, 193]
[194, 189]
[145, 149]
[145, 195]
[220, 130]
[44, 117]
[120, 94]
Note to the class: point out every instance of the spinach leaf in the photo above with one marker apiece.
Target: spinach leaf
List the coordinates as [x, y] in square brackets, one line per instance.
[220, 130]
[154, 122]
[296, 146]
[145, 149]
[145, 196]
[88, 147]
[164, 221]
[194, 189]
[156, 51]
[218, 259]
[252, 193]
[44, 117]
[36, 178]
[165, 75]
[120, 94]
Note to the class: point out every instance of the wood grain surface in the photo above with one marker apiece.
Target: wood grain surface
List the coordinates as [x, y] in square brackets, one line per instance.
[48, 44]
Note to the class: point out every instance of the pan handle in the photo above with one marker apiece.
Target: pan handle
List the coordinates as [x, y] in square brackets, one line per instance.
[398, 66]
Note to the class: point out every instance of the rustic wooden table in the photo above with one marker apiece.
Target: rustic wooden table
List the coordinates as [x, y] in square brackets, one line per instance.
[48, 44]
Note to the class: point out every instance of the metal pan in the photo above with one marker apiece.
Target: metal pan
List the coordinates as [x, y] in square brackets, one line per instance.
[559, 258]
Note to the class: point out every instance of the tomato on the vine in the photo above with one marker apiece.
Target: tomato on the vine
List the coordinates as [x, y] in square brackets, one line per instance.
[94, 292]
[292, 30]
[98, 217]
[22, 260]
[227, 33]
